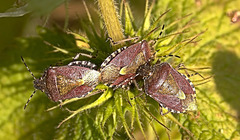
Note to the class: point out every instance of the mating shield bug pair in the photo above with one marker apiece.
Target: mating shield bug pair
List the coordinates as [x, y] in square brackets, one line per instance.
[119, 69]
[171, 89]
[162, 82]
[76, 79]
[79, 77]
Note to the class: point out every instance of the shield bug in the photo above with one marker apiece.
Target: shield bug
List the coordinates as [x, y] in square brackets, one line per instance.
[120, 67]
[75, 80]
[171, 89]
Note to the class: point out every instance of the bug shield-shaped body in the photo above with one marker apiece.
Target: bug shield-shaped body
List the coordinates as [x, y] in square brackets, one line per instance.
[169, 88]
[120, 67]
[65, 82]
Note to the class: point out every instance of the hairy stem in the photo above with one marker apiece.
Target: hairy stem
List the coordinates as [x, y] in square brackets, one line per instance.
[111, 19]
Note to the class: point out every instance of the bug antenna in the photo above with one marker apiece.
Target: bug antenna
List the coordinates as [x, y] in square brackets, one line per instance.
[30, 99]
[28, 68]
[160, 34]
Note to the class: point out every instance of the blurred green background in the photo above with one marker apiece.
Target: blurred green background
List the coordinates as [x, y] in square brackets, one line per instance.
[219, 100]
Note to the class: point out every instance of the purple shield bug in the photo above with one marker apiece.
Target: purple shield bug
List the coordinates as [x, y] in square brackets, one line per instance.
[75, 80]
[171, 89]
[120, 67]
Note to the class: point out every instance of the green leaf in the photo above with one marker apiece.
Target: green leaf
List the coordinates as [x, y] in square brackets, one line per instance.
[44, 7]
[121, 111]
[128, 20]
[16, 11]
[104, 97]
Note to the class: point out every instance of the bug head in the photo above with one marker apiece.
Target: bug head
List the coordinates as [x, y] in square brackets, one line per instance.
[39, 83]
[144, 70]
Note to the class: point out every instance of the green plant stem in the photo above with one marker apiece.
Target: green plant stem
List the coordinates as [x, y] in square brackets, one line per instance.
[111, 19]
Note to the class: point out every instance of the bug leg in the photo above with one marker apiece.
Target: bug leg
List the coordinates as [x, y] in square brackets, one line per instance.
[163, 56]
[185, 69]
[60, 104]
[165, 113]
[205, 81]
[69, 110]
[129, 103]
[161, 111]
[93, 93]
[139, 95]
[139, 89]
[137, 86]
[121, 41]
[129, 99]
[81, 54]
